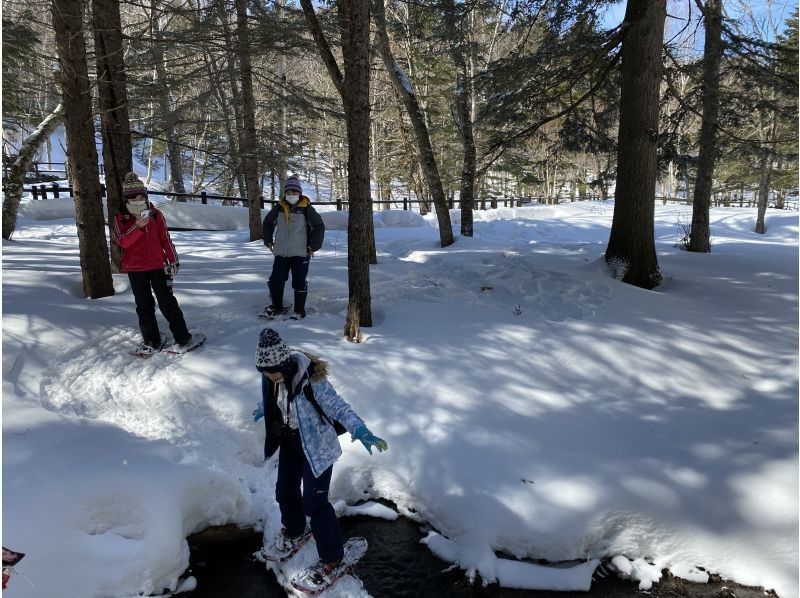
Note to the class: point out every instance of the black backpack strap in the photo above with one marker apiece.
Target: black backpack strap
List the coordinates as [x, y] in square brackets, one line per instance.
[309, 392]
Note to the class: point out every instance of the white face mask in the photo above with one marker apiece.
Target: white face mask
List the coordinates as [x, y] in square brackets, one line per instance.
[292, 199]
[136, 206]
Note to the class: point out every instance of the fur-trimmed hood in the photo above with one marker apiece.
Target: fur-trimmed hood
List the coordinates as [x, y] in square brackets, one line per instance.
[316, 367]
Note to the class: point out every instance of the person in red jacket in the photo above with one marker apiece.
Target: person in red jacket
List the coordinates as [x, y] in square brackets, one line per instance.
[150, 260]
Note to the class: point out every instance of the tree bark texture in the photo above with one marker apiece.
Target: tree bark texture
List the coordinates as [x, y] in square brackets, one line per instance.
[463, 117]
[764, 176]
[322, 46]
[81, 150]
[405, 90]
[700, 235]
[250, 142]
[354, 20]
[112, 97]
[14, 183]
[631, 252]
[236, 96]
[353, 86]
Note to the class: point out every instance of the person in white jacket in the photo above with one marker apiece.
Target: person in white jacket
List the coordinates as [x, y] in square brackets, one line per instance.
[302, 412]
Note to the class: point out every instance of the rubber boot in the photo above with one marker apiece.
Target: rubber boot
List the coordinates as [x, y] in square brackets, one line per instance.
[300, 303]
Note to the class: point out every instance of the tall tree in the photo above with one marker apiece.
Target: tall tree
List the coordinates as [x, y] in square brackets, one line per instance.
[280, 115]
[700, 236]
[112, 95]
[14, 182]
[249, 140]
[462, 113]
[162, 89]
[631, 251]
[405, 90]
[353, 86]
[81, 150]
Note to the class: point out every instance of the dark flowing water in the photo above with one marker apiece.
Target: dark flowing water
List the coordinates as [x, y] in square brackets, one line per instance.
[397, 565]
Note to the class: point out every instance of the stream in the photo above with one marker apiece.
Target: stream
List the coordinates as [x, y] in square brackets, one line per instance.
[397, 565]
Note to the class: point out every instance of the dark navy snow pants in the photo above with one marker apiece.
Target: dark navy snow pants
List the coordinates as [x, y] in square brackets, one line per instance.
[298, 266]
[293, 468]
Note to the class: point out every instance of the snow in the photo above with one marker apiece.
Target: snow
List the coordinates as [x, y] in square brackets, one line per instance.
[533, 405]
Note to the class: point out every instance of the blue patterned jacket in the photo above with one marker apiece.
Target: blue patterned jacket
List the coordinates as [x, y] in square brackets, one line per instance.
[319, 439]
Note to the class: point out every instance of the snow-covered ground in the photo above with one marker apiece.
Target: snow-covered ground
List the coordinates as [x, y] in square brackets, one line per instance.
[533, 406]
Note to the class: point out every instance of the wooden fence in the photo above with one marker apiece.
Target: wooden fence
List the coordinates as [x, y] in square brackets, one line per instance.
[42, 171]
[54, 190]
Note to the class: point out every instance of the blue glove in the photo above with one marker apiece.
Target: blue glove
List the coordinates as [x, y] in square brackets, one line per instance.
[258, 412]
[368, 439]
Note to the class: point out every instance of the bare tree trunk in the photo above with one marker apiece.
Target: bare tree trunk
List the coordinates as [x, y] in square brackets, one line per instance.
[15, 181]
[250, 145]
[115, 125]
[354, 26]
[283, 152]
[764, 175]
[315, 157]
[165, 104]
[150, 155]
[463, 118]
[81, 150]
[631, 252]
[217, 88]
[427, 158]
[700, 235]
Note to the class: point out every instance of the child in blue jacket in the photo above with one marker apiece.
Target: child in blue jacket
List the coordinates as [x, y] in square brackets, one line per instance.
[300, 407]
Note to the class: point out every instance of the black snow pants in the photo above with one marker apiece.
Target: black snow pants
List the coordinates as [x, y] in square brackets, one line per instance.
[161, 285]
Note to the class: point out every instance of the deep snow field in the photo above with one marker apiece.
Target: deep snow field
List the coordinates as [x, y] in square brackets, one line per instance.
[533, 406]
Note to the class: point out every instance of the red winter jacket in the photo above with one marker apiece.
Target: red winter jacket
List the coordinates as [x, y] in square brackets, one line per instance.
[147, 248]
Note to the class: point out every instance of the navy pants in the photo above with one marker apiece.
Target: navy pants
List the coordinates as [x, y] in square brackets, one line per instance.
[293, 468]
[161, 285]
[298, 266]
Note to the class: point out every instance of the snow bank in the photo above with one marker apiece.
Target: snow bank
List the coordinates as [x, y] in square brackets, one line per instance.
[533, 406]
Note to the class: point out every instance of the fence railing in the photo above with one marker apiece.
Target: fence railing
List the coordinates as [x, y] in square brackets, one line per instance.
[55, 190]
[40, 171]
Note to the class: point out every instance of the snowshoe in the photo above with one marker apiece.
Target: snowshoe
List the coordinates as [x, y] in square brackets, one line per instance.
[197, 339]
[146, 350]
[271, 312]
[320, 576]
[284, 547]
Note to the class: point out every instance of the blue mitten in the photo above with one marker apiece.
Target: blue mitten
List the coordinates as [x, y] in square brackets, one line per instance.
[258, 412]
[368, 439]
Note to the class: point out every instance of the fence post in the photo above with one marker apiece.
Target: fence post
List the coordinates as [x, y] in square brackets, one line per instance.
[43, 191]
[494, 203]
[405, 203]
[339, 204]
[203, 198]
[34, 192]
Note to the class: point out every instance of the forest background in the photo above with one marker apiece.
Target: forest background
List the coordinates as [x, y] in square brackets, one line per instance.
[446, 102]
